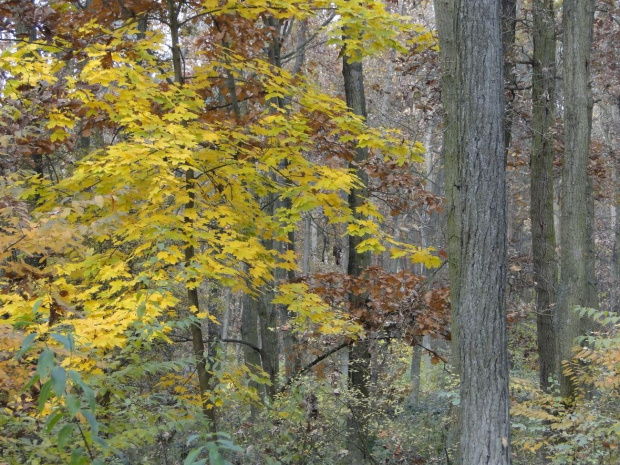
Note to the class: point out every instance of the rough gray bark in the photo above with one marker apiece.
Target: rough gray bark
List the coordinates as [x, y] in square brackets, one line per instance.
[481, 316]
[541, 185]
[577, 18]
[359, 354]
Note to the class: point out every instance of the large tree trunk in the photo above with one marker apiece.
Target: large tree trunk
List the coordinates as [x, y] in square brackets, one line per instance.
[541, 185]
[577, 17]
[481, 316]
[359, 354]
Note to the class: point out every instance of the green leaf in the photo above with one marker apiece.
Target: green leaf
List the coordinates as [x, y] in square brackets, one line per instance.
[45, 363]
[59, 381]
[30, 383]
[66, 341]
[191, 439]
[52, 420]
[78, 457]
[99, 440]
[88, 392]
[215, 458]
[229, 445]
[44, 394]
[65, 434]
[73, 404]
[141, 309]
[36, 305]
[92, 421]
[191, 457]
[26, 345]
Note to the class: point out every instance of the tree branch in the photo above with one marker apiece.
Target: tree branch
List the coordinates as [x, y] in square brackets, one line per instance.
[315, 362]
[250, 345]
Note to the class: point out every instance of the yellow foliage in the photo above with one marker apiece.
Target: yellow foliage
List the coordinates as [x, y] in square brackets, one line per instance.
[112, 235]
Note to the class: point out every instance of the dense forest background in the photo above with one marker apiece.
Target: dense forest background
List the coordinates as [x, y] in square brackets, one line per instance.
[309, 232]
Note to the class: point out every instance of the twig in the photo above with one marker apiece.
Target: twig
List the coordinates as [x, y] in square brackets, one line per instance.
[90, 452]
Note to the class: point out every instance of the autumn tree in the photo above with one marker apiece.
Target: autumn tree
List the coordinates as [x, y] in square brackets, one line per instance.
[204, 155]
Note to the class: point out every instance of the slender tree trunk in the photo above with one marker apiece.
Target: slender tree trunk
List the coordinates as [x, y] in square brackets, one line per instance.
[249, 334]
[577, 18]
[292, 361]
[359, 354]
[609, 123]
[305, 262]
[416, 370]
[23, 29]
[268, 319]
[509, 22]
[302, 37]
[541, 185]
[591, 280]
[204, 376]
[428, 230]
[615, 259]
[228, 303]
[268, 323]
[481, 317]
[446, 20]
[615, 264]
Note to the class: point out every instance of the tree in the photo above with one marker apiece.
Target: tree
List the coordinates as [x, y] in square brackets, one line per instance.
[177, 192]
[577, 18]
[541, 185]
[359, 354]
[446, 17]
[481, 315]
[200, 350]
